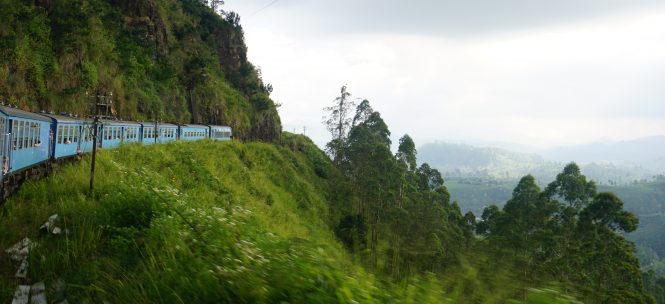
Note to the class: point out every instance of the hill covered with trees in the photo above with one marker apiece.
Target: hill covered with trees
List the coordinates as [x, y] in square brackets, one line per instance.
[167, 60]
[252, 222]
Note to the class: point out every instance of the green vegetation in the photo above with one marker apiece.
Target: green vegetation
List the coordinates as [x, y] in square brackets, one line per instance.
[398, 219]
[570, 232]
[172, 60]
[213, 222]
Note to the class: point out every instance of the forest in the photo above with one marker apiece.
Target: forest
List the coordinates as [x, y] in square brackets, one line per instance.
[270, 217]
[400, 220]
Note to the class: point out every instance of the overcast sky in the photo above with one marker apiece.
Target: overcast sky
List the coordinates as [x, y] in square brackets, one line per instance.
[537, 73]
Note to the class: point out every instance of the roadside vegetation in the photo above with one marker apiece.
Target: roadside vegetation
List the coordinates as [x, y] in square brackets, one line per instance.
[207, 222]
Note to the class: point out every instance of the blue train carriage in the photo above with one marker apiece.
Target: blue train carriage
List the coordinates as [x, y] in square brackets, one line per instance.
[70, 136]
[148, 133]
[167, 133]
[117, 132]
[192, 132]
[25, 139]
[220, 133]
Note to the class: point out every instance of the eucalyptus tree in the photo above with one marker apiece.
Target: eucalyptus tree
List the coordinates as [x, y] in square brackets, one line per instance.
[338, 121]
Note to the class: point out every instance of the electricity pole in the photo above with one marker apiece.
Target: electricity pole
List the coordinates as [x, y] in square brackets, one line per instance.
[106, 103]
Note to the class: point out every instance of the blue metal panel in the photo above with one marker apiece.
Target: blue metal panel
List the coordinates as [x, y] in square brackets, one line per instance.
[193, 132]
[4, 144]
[87, 134]
[28, 142]
[221, 133]
[66, 139]
[148, 133]
[67, 134]
[167, 133]
[114, 133]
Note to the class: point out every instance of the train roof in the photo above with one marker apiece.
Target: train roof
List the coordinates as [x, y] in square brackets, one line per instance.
[118, 122]
[161, 124]
[194, 126]
[220, 127]
[62, 118]
[13, 112]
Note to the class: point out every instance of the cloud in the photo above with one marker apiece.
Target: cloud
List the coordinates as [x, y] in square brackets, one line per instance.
[442, 17]
[571, 79]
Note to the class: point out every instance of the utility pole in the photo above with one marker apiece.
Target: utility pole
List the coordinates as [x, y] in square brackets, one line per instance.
[106, 103]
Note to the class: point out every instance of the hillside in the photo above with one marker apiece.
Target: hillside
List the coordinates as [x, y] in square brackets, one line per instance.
[166, 60]
[212, 222]
[623, 163]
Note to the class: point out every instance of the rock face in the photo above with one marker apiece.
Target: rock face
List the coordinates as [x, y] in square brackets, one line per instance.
[169, 60]
[143, 18]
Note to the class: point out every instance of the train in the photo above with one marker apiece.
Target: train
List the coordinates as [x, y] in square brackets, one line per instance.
[30, 142]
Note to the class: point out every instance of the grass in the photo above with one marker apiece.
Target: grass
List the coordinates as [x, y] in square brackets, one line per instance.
[203, 222]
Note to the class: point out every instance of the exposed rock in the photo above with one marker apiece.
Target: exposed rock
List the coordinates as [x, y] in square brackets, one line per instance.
[20, 250]
[21, 294]
[49, 224]
[38, 293]
[22, 271]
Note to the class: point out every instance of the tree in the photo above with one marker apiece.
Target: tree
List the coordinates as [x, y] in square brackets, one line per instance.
[429, 178]
[406, 152]
[607, 211]
[337, 122]
[363, 111]
[572, 186]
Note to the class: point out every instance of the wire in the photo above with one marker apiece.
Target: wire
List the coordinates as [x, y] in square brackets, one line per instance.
[261, 9]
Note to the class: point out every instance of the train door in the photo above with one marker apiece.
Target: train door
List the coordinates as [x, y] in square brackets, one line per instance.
[4, 142]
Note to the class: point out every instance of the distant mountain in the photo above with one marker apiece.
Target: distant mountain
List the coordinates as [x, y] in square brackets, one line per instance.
[612, 162]
[643, 151]
[464, 161]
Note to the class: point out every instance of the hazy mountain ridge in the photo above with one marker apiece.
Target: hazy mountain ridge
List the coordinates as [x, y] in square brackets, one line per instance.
[611, 163]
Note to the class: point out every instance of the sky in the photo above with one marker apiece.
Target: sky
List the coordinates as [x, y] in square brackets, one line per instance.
[535, 73]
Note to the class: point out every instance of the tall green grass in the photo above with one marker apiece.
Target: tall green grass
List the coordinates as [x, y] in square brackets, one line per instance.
[203, 222]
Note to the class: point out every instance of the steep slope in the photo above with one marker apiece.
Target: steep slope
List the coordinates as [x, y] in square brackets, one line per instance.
[211, 222]
[168, 60]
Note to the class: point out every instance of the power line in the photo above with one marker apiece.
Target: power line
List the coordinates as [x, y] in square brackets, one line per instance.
[261, 9]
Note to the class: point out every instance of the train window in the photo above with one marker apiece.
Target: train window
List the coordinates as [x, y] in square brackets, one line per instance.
[2, 133]
[31, 134]
[21, 134]
[28, 134]
[14, 134]
[35, 134]
[17, 138]
[76, 133]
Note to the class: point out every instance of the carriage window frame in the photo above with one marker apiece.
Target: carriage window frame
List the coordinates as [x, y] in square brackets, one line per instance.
[21, 131]
[14, 134]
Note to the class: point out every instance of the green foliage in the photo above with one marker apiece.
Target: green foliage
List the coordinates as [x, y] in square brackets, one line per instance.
[190, 222]
[576, 241]
[170, 60]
